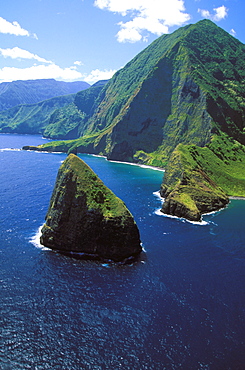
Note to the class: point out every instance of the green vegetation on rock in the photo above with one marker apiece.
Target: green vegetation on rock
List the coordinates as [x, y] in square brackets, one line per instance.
[62, 117]
[84, 216]
[64, 122]
[33, 118]
[199, 180]
[34, 91]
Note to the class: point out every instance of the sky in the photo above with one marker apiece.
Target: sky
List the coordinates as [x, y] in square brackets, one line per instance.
[89, 40]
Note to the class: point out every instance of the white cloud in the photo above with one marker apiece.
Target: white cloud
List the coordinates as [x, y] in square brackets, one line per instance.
[204, 13]
[219, 13]
[154, 16]
[38, 72]
[78, 63]
[233, 32]
[16, 53]
[97, 75]
[13, 28]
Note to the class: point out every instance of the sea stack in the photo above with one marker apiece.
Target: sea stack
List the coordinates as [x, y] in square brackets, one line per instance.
[86, 217]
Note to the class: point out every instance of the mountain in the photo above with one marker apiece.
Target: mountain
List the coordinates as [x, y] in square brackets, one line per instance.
[33, 91]
[32, 118]
[182, 88]
[71, 120]
[185, 88]
[61, 117]
[58, 118]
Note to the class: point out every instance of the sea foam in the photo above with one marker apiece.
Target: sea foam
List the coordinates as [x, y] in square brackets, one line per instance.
[158, 212]
[35, 239]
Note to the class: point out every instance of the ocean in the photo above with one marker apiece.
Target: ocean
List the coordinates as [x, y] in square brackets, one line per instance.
[181, 306]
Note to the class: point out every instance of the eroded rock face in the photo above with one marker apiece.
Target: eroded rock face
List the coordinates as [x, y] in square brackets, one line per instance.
[84, 216]
[188, 191]
[191, 203]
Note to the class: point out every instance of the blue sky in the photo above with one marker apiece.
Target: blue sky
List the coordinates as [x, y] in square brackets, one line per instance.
[90, 39]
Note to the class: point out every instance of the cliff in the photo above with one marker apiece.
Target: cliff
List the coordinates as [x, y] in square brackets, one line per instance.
[200, 180]
[188, 190]
[85, 217]
[185, 88]
[182, 88]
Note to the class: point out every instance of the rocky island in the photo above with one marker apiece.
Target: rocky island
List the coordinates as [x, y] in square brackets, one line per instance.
[84, 216]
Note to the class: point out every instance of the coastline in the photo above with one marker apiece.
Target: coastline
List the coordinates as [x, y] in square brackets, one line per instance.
[35, 239]
[133, 164]
[100, 156]
[158, 212]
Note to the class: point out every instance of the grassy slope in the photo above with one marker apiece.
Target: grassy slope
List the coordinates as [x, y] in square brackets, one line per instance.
[223, 161]
[69, 122]
[63, 121]
[31, 119]
[33, 91]
[116, 97]
[98, 196]
[228, 170]
[218, 67]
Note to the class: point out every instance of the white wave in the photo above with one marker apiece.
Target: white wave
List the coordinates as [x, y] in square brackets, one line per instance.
[202, 222]
[199, 223]
[214, 212]
[107, 265]
[35, 240]
[151, 167]
[158, 195]
[10, 149]
[44, 152]
[139, 165]
[96, 155]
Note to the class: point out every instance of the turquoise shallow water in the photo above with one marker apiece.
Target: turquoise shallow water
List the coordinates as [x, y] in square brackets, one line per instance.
[180, 307]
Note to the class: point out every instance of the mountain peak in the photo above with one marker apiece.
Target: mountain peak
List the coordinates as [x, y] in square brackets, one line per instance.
[182, 88]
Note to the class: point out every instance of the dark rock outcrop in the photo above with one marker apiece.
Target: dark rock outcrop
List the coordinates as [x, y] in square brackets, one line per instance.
[84, 216]
[190, 203]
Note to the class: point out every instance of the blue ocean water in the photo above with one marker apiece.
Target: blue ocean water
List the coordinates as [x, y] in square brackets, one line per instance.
[182, 306]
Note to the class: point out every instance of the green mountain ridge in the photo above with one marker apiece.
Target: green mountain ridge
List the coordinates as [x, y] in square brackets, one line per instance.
[185, 88]
[34, 91]
[32, 118]
[182, 88]
[60, 117]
